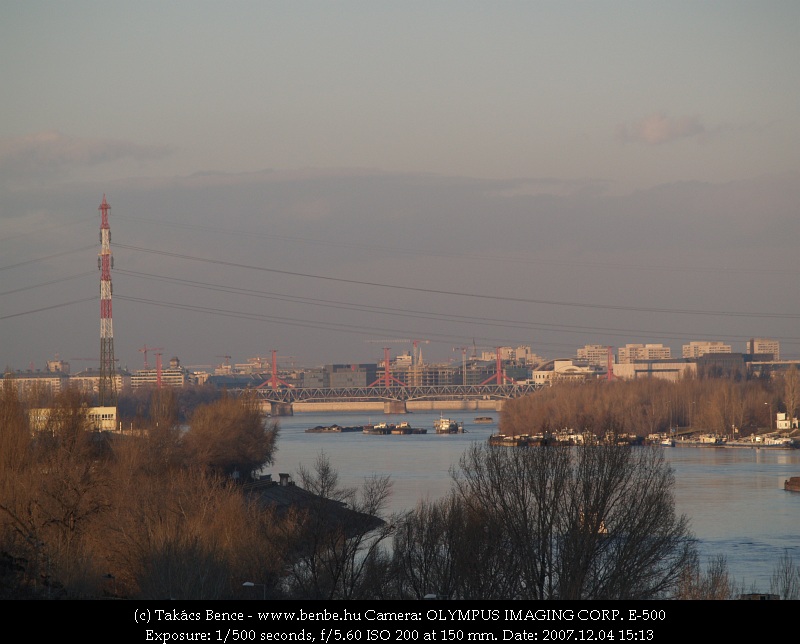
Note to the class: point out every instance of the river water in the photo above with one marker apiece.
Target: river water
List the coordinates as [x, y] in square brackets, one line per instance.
[734, 497]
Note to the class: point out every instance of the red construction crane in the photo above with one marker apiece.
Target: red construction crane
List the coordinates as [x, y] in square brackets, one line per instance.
[144, 350]
[158, 367]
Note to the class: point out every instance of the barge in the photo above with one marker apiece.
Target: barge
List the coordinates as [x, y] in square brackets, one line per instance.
[332, 429]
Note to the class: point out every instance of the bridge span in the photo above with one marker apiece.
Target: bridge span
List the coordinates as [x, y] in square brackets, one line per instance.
[395, 399]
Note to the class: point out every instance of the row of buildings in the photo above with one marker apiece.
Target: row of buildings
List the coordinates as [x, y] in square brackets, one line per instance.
[518, 364]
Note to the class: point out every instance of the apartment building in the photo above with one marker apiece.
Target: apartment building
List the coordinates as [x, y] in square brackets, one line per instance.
[764, 346]
[596, 354]
[695, 349]
[631, 353]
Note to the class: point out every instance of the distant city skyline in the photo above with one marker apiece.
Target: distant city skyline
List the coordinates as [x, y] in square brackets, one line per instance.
[263, 363]
[313, 178]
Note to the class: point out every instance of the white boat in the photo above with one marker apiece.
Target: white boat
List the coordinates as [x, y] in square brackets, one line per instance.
[667, 442]
[448, 426]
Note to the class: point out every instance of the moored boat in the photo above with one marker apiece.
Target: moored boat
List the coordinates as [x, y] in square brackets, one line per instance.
[376, 430]
[448, 426]
[519, 440]
[332, 429]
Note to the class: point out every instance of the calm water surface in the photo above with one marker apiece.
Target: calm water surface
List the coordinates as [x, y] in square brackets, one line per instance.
[734, 497]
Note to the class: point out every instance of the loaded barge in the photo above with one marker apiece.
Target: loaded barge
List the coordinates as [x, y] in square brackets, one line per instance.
[332, 429]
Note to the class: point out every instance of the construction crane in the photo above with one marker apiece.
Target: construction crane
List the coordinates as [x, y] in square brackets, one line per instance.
[257, 361]
[291, 360]
[144, 350]
[416, 356]
[463, 363]
[158, 351]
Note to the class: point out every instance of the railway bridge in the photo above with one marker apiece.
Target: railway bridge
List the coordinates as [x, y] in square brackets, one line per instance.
[395, 399]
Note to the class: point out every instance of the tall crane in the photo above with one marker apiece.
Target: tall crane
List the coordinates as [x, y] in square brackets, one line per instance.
[158, 351]
[416, 356]
[144, 350]
[463, 363]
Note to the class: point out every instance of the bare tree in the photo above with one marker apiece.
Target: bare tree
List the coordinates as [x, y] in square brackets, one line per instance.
[342, 535]
[594, 522]
[791, 392]
[445, 548]
[15, 430]
[163, 408]
[713, 583]
[786, 578]
[520, 492]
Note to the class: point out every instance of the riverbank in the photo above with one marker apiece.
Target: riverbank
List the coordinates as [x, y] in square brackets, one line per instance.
[738, 445]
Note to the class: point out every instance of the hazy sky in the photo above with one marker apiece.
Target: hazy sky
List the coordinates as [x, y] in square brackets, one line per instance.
[324, 179]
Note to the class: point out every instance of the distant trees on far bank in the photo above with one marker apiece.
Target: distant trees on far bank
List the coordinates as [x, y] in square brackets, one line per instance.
[641, 407]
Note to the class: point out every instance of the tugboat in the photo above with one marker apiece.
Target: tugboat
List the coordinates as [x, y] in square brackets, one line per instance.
[448, 426]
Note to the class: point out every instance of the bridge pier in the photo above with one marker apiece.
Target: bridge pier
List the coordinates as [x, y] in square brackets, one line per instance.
[281, 409]
[395, 407]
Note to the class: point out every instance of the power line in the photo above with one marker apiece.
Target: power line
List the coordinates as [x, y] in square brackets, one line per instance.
[41, 259]
[415, 314]
[417, 251]
[47, 308]
[418, 289]
[32, 286]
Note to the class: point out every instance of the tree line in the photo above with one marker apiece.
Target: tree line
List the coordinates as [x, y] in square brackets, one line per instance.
[173, 511]
[724, 406]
